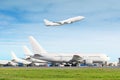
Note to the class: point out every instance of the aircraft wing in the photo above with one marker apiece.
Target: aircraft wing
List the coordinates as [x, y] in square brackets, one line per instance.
[77, 58]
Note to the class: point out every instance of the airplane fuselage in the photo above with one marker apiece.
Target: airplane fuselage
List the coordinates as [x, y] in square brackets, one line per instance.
[68, 57]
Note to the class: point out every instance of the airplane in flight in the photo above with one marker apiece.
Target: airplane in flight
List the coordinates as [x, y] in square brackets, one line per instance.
[67, 21]
[40, 53]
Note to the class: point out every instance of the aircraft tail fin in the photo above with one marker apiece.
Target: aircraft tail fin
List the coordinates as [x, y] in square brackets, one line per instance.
[27, 52]
[47, 22]
[37, 49]
[13, 55]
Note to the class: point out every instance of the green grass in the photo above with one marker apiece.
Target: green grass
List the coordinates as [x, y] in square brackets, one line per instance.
[59, 74]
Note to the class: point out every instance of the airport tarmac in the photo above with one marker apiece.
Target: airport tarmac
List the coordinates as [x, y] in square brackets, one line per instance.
[65, 67]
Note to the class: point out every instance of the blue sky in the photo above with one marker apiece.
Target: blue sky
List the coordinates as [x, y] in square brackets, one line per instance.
[99, 32]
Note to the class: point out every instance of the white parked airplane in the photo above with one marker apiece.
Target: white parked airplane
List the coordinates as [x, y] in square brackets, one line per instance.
[19, 60]
[29, 57]
[67, 21]
[7, 63]
[40, 53]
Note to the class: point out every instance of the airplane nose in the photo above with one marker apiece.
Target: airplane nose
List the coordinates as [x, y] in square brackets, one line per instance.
[81, 17]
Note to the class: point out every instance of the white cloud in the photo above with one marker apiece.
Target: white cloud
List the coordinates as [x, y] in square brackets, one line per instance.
[13, 43]
[35, 11]
[6, 20]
